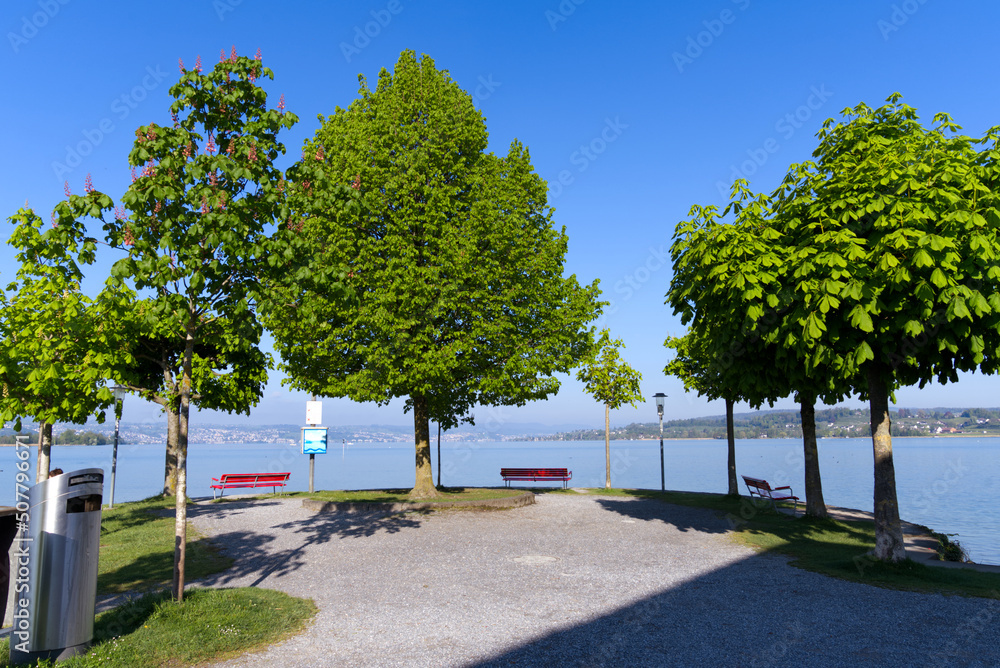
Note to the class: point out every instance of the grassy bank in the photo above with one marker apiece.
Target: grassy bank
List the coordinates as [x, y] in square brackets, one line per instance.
[832, 547]
[137, 555]
[137, 548]
[211, 625]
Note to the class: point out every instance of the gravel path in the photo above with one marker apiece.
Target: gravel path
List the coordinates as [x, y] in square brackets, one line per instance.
[579, 581]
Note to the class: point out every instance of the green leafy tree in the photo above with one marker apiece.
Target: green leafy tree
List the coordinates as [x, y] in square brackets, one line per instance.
[223, 377]
[612, 382]
[58, 343]
[452, 290]
[193, 225]
[722, 356]
[893, 230]
[731, 283]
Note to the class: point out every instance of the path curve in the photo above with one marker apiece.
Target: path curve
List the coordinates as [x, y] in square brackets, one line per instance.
[571, 580]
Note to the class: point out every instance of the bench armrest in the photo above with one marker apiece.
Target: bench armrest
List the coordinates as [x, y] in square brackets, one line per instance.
[775, 489]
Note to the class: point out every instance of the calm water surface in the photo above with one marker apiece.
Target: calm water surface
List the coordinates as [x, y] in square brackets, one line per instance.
[949, 484]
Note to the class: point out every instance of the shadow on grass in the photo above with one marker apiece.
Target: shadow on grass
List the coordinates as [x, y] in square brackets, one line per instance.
[127, 617]
[838, 548]
[154, 570]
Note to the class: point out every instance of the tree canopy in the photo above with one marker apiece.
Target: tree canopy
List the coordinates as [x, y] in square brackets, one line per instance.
[888, 247]
[733, 284]
[57, 342]
[453, 291]
[193, 225]
[893, 230]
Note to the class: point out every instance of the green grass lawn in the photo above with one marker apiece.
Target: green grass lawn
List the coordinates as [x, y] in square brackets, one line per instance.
[211, 625]
[832, 547]
[137, 555]
[137, 548]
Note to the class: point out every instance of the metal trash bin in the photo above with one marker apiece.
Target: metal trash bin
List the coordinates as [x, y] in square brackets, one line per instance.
[54, 605]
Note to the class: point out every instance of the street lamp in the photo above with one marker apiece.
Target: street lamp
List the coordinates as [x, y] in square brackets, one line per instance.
[119, 393]
[660, 397]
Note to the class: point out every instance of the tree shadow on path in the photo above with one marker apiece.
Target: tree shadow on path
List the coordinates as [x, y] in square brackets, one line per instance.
[682, 518]
[255, 554]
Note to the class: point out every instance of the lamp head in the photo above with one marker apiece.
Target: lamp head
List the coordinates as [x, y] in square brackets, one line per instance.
[660, 397]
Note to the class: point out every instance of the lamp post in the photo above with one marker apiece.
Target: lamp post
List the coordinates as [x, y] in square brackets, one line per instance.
[660, 396]
[119, 393]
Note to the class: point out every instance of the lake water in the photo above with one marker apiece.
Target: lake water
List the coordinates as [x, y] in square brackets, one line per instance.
[949, 484]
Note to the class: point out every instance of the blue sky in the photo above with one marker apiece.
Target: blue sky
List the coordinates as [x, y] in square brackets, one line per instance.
[632, 111]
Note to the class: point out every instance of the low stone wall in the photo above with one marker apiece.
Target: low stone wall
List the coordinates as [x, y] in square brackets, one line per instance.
[525, 499]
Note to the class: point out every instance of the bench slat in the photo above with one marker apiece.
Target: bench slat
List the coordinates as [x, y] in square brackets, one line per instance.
[762, 489]
[251, 480]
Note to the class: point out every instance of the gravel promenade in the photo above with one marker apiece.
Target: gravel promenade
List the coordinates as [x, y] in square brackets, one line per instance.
[574, 581]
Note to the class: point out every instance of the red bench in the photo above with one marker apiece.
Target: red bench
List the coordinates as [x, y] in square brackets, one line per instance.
[242, 480]
[761, 489]
[536, 475]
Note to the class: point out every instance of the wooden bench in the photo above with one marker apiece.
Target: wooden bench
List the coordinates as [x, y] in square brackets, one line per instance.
[536, 475]
[761, 489]
[241, 480]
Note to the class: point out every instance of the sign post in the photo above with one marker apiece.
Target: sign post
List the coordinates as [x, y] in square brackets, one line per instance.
[313, 438]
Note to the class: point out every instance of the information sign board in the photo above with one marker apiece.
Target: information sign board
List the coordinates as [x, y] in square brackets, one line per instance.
[314, 440]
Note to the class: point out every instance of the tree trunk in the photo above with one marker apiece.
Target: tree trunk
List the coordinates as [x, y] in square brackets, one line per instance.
[180, 521]
[423, 488]
[815, 506]
[170, 462]
[439, 454]
[734, 487]
[44, 462]
[607, 446]
[888, 531]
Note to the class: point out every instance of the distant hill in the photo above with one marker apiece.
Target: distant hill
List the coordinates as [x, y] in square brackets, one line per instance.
[830, 423]
[156, 433]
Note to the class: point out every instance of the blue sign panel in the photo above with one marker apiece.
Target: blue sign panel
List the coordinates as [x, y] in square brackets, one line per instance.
[314, 440]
